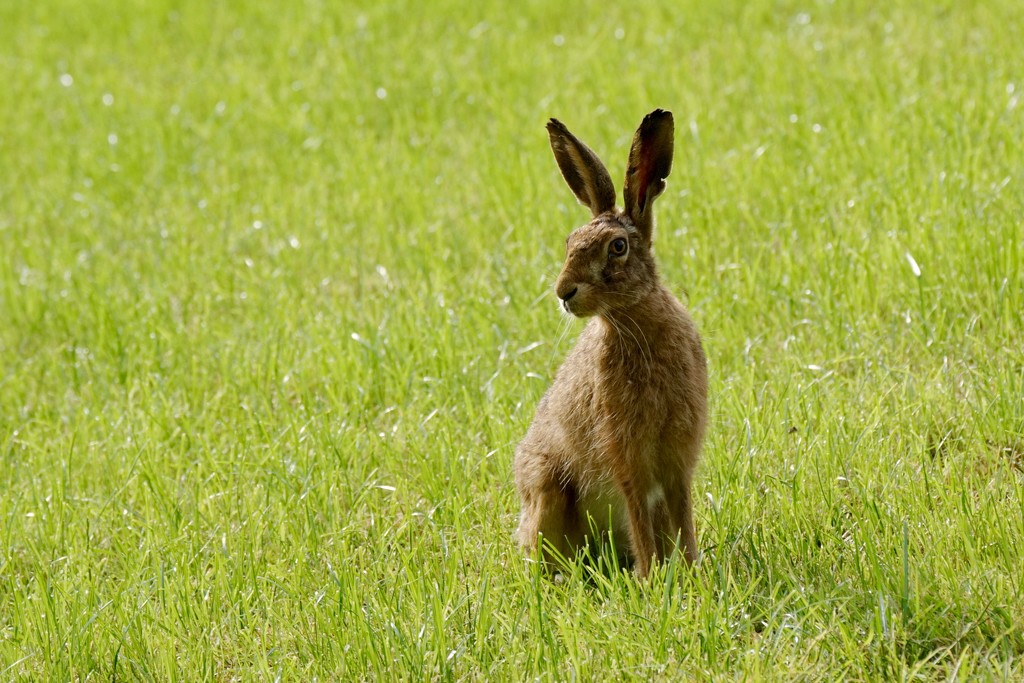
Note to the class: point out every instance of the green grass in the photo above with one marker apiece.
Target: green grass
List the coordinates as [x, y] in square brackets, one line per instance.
[275, 308]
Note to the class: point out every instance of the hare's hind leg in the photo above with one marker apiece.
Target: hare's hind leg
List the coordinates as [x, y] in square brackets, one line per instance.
[549, 521]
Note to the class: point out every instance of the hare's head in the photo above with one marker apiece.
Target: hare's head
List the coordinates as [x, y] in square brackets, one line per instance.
[608, 262]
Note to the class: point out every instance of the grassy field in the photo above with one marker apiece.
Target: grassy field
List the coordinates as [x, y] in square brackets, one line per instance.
[275, 308]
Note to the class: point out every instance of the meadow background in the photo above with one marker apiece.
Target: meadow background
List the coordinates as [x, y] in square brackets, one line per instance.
[275, 308]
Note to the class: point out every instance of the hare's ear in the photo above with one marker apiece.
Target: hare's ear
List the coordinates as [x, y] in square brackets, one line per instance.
[650, 160]
[583, 171]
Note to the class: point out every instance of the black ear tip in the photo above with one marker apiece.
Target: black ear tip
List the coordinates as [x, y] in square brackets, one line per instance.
[658, 115]
[555, 125]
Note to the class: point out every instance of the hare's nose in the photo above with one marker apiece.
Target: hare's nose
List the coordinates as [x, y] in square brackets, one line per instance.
[568, 295]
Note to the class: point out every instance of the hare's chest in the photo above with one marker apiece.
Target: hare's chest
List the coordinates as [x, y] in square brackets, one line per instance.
[630, 405]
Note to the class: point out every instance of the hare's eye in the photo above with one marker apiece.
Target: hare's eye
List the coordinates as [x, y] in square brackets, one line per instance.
[618, 247]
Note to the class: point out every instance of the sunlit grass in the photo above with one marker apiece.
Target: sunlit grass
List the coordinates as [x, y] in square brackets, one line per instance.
[275, 309]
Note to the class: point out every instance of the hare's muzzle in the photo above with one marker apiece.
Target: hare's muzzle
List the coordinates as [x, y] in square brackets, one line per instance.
[565, 290]
[571, 296]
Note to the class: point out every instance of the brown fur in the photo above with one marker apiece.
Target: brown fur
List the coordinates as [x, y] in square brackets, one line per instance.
[617, 436]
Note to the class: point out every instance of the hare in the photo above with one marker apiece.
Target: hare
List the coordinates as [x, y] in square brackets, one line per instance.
[616, 437]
